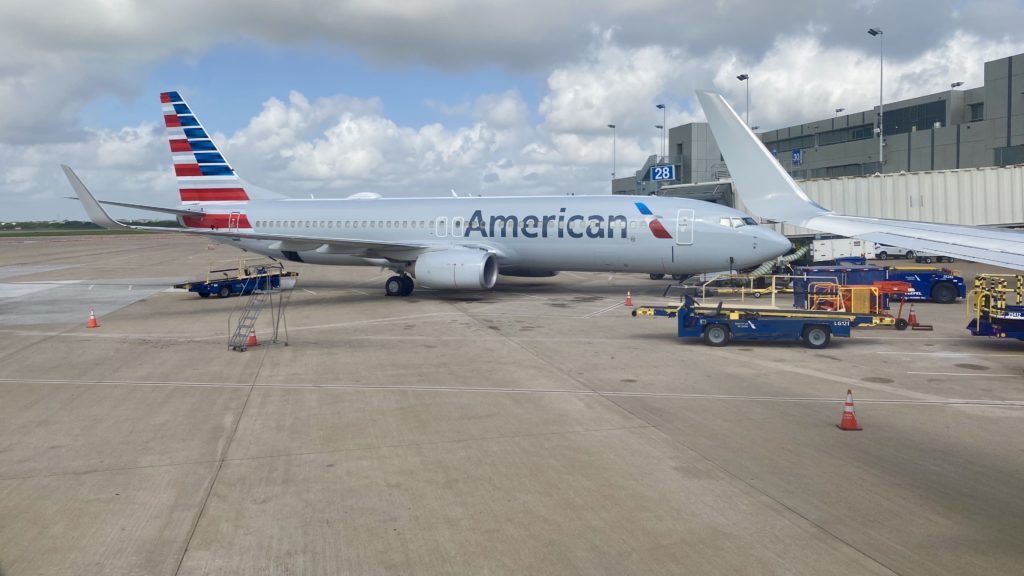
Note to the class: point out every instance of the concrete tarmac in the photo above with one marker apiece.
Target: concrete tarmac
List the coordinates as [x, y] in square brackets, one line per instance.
[534, 429]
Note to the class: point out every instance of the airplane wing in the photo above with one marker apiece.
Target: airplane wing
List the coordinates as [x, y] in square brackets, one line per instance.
[296, 242]
[771, 193]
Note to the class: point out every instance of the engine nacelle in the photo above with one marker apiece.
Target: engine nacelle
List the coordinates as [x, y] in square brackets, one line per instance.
[457, 269]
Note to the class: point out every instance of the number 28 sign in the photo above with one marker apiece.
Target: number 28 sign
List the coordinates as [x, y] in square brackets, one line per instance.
[663, 172]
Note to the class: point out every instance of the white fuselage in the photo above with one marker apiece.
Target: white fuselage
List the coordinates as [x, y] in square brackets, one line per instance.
[527, 234]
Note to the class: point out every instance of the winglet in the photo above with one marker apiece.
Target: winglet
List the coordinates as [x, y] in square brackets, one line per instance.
[96, 212]
[762, 183]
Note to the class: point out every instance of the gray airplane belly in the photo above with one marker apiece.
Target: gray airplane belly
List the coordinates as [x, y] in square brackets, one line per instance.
[590, 255]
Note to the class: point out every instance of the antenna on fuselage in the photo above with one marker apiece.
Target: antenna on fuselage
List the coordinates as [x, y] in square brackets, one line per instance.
[454, 195]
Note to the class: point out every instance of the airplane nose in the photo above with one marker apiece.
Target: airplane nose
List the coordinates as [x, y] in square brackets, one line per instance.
[776, 244]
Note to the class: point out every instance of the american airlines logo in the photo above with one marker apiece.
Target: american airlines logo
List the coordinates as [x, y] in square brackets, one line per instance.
[653, 222]
[560, 225]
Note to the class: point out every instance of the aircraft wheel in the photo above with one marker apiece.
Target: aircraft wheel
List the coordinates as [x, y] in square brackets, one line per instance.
[657, 276]
[407, 286]
[817, 337]
[716, 335]
[394, 286]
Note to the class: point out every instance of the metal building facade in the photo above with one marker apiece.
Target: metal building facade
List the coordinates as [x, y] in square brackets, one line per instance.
[976, 197]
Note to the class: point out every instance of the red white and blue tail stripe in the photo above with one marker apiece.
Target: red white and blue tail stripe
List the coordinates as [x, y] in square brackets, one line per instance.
[204, 176]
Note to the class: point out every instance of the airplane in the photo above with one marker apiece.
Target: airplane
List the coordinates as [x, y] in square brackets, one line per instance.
[445, 243]
[768, 191]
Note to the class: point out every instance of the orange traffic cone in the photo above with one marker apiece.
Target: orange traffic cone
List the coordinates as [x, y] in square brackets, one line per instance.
[849, 421]
[912, 319]
[92, 320]
[252, 339]
[629, 299]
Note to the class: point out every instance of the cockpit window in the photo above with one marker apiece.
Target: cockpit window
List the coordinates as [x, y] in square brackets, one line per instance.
[737, 222]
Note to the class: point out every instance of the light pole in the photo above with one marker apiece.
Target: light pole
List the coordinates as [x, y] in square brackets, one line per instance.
[612, 126]
[663, 144]
[838, 110]
[881, 68]
[955, 84]
[746, 78]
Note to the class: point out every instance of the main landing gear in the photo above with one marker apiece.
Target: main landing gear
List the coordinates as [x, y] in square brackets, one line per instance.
[398, 286]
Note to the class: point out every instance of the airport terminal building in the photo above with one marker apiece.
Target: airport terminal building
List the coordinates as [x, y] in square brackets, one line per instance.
[953, 129]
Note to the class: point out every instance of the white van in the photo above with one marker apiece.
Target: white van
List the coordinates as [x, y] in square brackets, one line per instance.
[884, 252]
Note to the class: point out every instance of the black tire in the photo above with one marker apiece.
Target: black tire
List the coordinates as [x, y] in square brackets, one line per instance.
[393, 286]
[901, 324]
[883, 255]
[910, 255]
[224, 291]
[944, 293]
[203, 294]
[657, 276]
[817, 337]
[407, 286]
[716, 335]
[679, 277]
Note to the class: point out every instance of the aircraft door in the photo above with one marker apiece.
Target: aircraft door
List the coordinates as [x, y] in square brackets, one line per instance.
[233, 221]
[684, 226]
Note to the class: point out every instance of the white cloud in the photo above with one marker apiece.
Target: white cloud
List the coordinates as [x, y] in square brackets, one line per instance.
[604, 62]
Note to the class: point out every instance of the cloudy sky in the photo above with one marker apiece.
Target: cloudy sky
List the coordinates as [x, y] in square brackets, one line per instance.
[417, 97]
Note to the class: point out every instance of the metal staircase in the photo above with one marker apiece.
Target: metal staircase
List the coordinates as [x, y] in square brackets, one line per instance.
[239, 340]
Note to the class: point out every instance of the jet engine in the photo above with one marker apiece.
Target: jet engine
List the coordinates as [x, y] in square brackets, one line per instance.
[457, 269]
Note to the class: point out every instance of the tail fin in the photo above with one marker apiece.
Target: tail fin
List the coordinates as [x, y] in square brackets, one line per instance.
[204, 176]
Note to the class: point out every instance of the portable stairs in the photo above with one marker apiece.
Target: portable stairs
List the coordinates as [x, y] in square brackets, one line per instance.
[244, 334]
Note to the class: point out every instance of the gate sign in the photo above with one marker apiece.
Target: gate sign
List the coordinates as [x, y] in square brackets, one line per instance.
[798, 157]
[663, 172]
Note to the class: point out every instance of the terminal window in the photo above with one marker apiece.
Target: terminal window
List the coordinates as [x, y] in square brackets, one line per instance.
[977, 111]
[911, 118]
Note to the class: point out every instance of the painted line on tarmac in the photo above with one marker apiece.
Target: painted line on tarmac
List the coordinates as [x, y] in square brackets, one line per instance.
[502, 390]
[603, 310]
[949, 354]
[973, 374]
